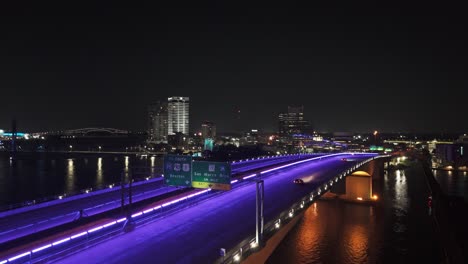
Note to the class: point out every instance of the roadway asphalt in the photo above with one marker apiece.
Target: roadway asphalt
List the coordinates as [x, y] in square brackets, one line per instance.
[196, 234]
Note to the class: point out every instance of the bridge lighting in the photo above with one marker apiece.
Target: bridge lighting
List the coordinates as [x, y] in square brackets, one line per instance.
[375, 197]
[41, 248]
[253, 244]
[359, 198]
[60, 241]
[237, 257]
[18, 256]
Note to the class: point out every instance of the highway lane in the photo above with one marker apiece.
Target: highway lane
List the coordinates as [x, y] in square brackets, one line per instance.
[196, 234]
[25, 223]
[244, 166]
[18, 225]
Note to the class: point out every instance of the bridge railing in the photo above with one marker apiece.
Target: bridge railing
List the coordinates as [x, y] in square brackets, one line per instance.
[249, 246]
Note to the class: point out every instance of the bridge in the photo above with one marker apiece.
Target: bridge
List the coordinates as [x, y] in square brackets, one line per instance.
[194, 226]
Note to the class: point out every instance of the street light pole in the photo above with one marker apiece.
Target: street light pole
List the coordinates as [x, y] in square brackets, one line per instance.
[260, 193]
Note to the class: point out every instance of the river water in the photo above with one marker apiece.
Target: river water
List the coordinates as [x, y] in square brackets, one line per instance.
[45, 175]
[398, 229]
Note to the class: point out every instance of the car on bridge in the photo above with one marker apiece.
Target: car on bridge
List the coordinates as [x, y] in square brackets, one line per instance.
[344, 159]
[298, 181]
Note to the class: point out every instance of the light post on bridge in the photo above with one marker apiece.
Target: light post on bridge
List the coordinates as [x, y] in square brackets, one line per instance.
[260, 194]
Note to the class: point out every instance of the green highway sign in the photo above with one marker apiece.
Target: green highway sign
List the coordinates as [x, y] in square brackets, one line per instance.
[214, 175]
[178, 170]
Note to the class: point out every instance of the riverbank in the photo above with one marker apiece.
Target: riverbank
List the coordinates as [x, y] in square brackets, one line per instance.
[450, 215]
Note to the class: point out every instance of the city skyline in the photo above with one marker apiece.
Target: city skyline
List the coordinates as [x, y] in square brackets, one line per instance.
[353, 69]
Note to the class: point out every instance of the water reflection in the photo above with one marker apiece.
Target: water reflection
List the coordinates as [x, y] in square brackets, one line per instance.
[70, 177]
[400, 201]
[37, 176]
[99, 172]
[356, 239]
[127, 162]
[152, 165]
[309, 239]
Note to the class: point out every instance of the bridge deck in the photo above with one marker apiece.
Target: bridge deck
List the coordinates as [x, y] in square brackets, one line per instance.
[196, 234]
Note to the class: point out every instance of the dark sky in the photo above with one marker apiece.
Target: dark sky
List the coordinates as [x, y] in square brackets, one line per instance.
[356, 69]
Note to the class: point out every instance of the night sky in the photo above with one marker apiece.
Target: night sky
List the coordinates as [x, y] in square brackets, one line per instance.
[395, 69]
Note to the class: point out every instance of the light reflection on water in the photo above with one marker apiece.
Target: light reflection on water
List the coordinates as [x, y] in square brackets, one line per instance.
[70, 177]
[395, 230]
[40, 176]
[453, 182]
[355, 242]
[99, 172]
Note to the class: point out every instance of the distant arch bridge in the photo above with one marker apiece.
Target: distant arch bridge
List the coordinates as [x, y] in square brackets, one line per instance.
[95, 131]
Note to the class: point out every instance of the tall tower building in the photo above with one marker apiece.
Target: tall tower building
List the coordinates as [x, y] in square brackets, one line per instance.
[178, 115]
[208, 130]
[157, 122]
[293, 122]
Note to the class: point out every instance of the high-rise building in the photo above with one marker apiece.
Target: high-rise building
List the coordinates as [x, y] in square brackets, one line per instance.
[208, 130]
[178, 118]
[293, 122]
[157, 122]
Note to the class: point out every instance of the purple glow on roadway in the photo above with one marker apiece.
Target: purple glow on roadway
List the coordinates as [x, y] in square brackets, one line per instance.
[103, 226]
[301, 161]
